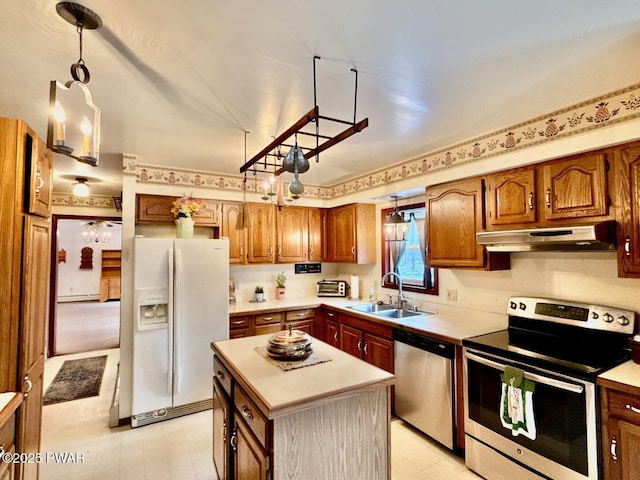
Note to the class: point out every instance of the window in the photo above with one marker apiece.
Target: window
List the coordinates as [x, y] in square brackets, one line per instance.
[405, 254]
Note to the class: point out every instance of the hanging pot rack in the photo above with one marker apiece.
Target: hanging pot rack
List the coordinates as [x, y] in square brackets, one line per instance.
[270, 157]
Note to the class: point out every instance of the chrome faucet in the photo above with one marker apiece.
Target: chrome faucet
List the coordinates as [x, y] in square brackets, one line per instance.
[401, 300]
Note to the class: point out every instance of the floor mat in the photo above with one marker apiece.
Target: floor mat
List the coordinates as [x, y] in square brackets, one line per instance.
[76, 379]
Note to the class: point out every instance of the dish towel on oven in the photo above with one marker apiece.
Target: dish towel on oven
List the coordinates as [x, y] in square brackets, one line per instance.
[516, 403]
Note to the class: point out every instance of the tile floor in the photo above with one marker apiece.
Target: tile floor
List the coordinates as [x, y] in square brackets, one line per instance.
[180, 449]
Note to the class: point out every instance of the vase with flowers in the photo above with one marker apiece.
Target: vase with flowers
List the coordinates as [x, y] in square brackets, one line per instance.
[183, 208]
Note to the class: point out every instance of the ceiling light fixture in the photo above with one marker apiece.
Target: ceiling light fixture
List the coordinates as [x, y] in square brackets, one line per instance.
[71, 104]
[296, 160]
[95, 232]
[81, 188]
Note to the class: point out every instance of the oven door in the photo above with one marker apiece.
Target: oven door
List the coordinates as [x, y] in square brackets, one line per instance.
[565, 446]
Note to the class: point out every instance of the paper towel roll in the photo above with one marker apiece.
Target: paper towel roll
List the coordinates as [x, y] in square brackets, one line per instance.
[355, 287]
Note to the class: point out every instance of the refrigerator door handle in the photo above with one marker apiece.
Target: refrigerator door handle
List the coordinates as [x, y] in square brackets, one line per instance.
[170, 323]
[177, 320]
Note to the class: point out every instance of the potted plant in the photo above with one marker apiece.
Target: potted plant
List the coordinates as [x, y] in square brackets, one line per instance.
[259, 294]
[280, 281]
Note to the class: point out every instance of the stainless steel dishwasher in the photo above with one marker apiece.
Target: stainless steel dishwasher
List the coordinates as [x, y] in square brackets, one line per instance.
[424, 384]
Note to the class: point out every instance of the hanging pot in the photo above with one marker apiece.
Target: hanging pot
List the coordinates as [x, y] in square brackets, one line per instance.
[294, 156]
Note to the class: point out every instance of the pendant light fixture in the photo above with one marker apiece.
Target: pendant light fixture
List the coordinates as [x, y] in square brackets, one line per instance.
[74, 120]
[395, 225]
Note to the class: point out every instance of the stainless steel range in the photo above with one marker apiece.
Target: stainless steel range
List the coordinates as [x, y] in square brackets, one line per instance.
[530, 408]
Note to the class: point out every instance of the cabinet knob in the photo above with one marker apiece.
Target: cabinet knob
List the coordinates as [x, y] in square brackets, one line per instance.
[246, 411]
[353, 250]
[39, 182]
[530, 200]
[547, 197]
[359, 345]
[220, 373]
[366, 350]
[233, 441]
[335, 336]
[632, 408]
[28, 384]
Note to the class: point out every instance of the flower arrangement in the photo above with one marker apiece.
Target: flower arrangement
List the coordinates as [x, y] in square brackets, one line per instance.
[186, 206]
[281, 280]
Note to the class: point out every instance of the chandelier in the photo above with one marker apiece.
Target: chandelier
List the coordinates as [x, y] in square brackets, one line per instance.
[270, 161]
[95, 232]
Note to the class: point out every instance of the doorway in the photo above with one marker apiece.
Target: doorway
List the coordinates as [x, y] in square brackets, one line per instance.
[84, 302]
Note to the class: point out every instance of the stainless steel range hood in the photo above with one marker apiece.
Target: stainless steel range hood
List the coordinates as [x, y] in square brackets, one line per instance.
[598, 236]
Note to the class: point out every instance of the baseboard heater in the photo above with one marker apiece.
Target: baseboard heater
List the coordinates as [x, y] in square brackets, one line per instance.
[171, 412]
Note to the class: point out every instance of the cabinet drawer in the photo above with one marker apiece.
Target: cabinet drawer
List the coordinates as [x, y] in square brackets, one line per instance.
[222, 374]
[269, 328]
[624, 406]
[300, 314]
[250, 413]
[7, 433]
[239, 322]
[267, 318]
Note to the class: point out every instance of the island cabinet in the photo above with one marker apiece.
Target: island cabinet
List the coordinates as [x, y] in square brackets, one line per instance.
[269, 423]
[9, 402]
[620, 404]
[244, 325]
[351, 234]
[157, 209]
[627, 174]
[455, 213]
[369, 341]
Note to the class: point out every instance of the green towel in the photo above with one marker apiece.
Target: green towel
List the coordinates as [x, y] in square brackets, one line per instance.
[519, 381]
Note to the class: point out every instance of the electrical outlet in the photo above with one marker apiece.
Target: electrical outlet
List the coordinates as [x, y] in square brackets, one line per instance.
[452, 295]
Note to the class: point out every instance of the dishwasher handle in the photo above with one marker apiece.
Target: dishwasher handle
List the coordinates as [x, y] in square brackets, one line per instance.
[428, 344]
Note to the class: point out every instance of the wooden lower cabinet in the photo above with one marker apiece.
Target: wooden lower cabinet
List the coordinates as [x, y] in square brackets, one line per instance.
[221, 430]
[272, 322]
[620, 432]
[369, 341]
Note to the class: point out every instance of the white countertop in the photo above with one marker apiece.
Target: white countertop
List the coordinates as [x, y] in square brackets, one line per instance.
[451, 327]
[282, 392]
[627, 373]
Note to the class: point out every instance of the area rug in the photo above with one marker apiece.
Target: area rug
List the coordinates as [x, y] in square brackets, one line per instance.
[76, 379]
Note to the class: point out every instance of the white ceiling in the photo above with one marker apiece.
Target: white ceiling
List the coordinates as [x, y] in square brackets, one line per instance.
[179, 82]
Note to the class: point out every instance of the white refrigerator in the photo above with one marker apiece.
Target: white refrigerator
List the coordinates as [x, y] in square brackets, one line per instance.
[181, 305]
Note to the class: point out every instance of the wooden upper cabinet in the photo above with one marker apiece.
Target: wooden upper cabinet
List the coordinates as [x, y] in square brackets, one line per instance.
[157, 209]
[261, 234]
[511, 197]
[293, 234]
[316, 237]
[39, 175]
[351, 234]
[454, 212]
[237, 238]
[575, 187]
[627, 181]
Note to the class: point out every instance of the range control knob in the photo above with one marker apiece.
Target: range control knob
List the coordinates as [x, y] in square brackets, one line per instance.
[622, 320]
[595, 315]
[522, 306]
[512, 305]
[607, 317]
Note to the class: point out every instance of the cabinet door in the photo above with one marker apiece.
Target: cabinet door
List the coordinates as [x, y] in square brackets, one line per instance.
[341, 234]
[32, 334]
[316, 237]
[251, 461]
[154, 209]
[622, 450]
[221, 430]
[230, 214]
[627, 173]
[39, 175]
[351, 340]
[575, 188]
[455, 214]
[261, 235]
[292, 229]
[511, 197]
[333, 332]
[378, 351]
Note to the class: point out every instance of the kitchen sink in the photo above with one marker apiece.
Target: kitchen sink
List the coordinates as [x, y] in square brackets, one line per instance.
[372, 308]
[384, 310]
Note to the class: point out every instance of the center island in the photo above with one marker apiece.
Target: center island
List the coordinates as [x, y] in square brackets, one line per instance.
[329, 420]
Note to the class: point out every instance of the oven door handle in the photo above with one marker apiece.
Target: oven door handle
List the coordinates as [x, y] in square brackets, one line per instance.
[552, 382]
